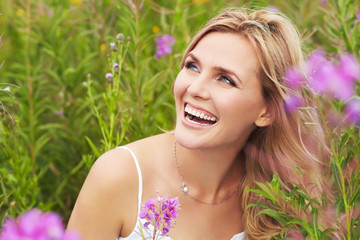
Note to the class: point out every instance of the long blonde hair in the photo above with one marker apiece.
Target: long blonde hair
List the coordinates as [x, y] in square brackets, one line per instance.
[292, 141]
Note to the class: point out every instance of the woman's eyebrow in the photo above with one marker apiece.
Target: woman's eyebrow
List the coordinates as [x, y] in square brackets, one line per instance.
[191, 55]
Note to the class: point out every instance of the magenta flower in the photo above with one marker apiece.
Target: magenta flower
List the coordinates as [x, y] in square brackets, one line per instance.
[325, 77]
[159, 214]
[292, 102]
[120, 36]
[272, 8]
[116, 67]
[358, 16]
[349, 67]
[294, 78]
[112, 45]
[109, 76]
[36, 225]
[164, 45]
[352, 111]
[323, 2]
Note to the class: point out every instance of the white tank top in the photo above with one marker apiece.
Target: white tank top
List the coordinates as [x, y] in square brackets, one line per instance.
[134, 235]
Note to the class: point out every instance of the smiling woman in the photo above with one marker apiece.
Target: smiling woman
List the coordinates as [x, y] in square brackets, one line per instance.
[231, 130]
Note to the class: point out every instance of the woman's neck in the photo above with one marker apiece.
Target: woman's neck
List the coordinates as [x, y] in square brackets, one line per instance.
[210, 174]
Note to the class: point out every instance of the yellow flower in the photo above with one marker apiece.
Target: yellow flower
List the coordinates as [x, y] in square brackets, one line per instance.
[76, 2]
[19, 12]
[155, 29]
[200, 1]
[103, 47]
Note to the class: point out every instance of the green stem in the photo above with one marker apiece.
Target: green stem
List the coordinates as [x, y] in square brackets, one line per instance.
[30, 85]
[341, 175]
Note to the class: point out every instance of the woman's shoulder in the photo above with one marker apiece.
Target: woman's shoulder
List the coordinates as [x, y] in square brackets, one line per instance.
[117, 165]
[152, 142]
[151, 150]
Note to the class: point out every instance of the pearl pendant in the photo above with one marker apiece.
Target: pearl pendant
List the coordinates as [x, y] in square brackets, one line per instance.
[184, 189]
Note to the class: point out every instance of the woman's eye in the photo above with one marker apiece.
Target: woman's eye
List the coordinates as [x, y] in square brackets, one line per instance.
[192, 66]
[226, 79]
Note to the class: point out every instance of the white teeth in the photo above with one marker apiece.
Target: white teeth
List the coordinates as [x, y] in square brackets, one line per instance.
[203, 124]
[202, 115]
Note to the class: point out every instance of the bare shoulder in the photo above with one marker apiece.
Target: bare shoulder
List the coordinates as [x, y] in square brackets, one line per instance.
[152, 145]
[108, 196]
[150, 151]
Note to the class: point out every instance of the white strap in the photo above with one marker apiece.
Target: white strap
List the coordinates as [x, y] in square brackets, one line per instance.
[139, 174]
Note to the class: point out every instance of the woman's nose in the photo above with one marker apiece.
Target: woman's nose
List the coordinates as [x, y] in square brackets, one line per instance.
[199, 87]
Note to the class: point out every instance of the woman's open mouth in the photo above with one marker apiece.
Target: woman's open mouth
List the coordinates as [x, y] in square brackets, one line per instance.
[198, 117]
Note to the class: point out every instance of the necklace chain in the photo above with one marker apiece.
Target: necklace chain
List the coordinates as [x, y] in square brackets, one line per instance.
[185, 189]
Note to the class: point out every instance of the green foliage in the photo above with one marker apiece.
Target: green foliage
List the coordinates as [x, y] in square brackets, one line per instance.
[61, 113]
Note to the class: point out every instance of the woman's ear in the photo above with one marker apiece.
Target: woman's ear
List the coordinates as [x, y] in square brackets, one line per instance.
[265, 117]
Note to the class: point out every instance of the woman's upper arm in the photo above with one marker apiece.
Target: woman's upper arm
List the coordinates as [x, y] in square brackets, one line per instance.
[104, 200]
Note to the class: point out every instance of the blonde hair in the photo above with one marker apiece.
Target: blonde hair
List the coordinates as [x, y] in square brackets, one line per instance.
[292, 141]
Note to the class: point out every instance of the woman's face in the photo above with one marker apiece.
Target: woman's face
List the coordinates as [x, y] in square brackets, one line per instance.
[217, 93]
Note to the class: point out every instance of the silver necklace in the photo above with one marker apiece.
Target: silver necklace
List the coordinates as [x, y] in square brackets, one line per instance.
[185, 189]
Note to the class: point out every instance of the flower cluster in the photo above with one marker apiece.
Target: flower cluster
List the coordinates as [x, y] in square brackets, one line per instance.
[36, 225]
[160, 213]
[324, 77]
[164, 44]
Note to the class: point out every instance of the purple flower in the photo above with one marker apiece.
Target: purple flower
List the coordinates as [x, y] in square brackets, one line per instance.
[353, 111]
[164, 44]
[60, 113]
[109, 76]
[160, 213]
[294, 78]
[323, 2]
[358, 16]
[325, 77]
[272, 8]
[349, 67]
[292, 102]
[112, 46]
[35, 225]
[116, 67]
[120, 36]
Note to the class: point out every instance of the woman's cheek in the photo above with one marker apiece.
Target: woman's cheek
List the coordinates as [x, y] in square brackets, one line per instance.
[179, 86]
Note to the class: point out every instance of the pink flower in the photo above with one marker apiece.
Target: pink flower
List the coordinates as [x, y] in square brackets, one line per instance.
[35, 225]
[358, 16]
[109, 76]
[294, 78]
[352, 111]
[272, 8]
[160, 213]
[323, 2]
[164, 44]
[325, 77]
[292, 102]
[349, 67]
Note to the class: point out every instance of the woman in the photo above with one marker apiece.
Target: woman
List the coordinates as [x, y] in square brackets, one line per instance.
[232, 129]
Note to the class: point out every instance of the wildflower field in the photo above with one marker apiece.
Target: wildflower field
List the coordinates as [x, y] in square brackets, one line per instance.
[79, 77]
